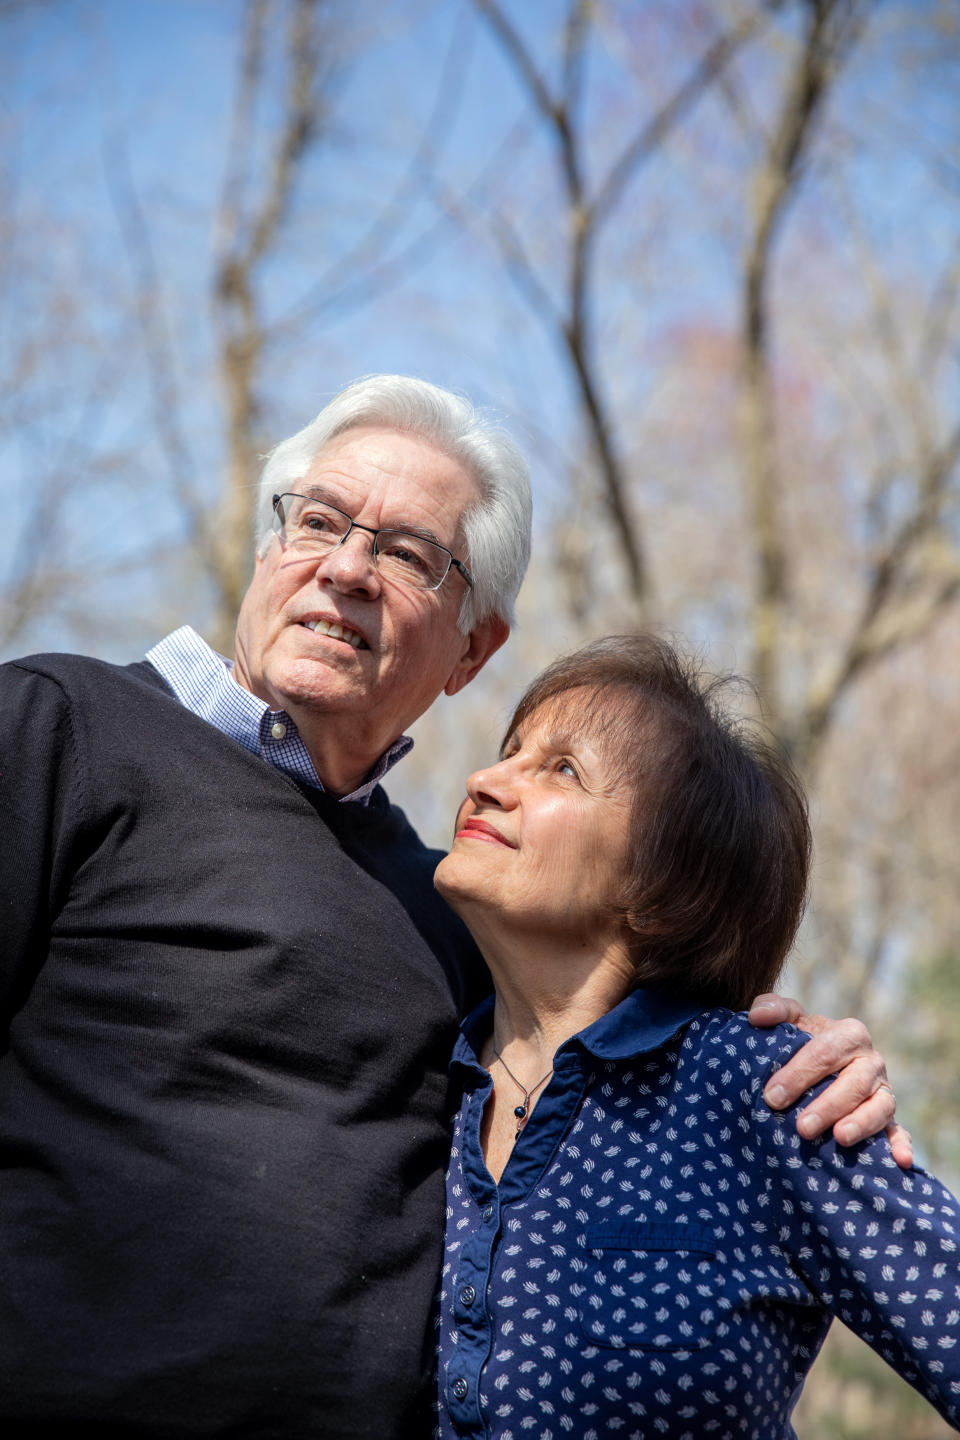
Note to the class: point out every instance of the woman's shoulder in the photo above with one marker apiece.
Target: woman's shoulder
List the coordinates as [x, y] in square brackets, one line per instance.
[725, 1045]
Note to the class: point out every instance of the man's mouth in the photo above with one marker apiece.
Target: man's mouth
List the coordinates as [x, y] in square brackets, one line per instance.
[336, 632]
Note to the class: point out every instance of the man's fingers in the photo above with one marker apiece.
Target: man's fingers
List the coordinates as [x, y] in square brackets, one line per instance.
[874, 1115]
[859, 1103]
[844, 1046]
[770, 1009]
[901, 1145]
[865, 1121]
[840, 1041]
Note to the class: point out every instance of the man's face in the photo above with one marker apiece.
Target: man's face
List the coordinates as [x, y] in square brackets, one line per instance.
[350, 700]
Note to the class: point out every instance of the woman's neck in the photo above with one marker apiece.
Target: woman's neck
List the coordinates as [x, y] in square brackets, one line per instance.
[540, 1000]
[547, 989]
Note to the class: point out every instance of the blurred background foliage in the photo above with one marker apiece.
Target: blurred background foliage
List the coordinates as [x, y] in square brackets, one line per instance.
[701, 256]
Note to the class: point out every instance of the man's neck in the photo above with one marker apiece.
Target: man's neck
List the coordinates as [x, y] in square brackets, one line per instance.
[342, 757]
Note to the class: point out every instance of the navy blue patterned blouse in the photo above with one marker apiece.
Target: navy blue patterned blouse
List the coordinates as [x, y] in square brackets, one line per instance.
[663, 1255]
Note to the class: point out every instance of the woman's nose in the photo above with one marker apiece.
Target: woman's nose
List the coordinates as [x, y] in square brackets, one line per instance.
[493, 786]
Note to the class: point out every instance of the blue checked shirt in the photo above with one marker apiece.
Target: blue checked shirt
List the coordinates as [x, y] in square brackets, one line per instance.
[202, 681]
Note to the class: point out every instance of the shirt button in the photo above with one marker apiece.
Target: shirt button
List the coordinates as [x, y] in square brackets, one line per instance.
[467, 1295]
[460, 1388]
[487, 1212]
[278, 730]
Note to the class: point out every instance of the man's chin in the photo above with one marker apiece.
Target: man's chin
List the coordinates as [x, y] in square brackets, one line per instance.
[319, 683]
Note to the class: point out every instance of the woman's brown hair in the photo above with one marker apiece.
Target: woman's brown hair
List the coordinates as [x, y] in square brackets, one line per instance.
[720, 852]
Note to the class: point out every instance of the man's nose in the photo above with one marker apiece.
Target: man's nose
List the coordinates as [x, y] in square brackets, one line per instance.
[351, 566]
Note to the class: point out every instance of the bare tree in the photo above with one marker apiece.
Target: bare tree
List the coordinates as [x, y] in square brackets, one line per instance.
[292, 55]
[914, 563]
[912, 578]
[589, 205]
[255, 208]
[831, 29]
[55, 382]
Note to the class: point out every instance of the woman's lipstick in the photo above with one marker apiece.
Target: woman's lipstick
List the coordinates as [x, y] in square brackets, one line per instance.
[474, 829]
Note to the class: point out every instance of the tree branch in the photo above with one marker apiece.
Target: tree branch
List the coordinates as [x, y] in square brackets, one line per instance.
[520, 56]
[893, 613]
[655, 130]
[155, 336]
[572, 328]
[362, 273]
[248, 234]
[832, 26]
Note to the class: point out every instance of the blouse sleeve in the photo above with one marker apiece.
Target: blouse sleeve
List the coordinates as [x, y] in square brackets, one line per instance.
[879, 1246]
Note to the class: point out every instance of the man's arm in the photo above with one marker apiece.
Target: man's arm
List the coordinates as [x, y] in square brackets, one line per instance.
[38, 788]
[860, 1102]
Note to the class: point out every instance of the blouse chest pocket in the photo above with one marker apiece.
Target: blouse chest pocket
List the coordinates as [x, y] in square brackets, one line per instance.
[650, 1286]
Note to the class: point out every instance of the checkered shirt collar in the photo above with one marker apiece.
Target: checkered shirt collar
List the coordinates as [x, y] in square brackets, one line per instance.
[202, 681]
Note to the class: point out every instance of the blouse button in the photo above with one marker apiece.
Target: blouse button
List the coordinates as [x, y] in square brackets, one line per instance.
[467, 1295]
[460, 1388]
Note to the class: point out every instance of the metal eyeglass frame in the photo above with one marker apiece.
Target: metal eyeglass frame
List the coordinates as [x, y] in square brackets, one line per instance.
[279, 519]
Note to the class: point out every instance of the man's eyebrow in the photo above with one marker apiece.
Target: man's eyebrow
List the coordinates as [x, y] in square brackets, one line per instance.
[420, 531]
[319, 492]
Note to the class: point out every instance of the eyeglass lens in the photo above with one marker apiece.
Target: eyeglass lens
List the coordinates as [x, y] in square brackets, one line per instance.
[410, 559]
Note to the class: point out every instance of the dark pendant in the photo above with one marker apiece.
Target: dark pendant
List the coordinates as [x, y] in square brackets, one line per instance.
[519, 1132]
[521, 1112]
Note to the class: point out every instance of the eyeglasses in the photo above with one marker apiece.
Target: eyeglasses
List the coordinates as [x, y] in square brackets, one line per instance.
[317, 528]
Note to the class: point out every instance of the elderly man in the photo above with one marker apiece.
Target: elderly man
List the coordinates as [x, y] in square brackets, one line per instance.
[230, 988]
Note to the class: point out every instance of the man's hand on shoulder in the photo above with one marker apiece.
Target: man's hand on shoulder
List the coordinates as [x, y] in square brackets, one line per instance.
[859, 1103]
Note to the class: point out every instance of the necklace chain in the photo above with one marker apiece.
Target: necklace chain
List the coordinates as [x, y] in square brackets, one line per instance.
[521, 1110]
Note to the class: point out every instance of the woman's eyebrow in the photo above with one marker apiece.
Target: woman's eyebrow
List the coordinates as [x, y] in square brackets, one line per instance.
[563, 737]
[557, 739]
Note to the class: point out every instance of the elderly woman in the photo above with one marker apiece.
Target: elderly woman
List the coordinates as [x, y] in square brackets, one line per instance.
[636, 1245]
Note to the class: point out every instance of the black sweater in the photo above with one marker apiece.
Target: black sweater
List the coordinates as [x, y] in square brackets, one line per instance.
[222, 1087]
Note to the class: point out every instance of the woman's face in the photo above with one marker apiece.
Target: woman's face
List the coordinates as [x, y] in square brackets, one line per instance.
[542, 837]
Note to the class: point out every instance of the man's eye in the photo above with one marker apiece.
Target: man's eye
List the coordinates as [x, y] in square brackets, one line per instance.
[400, 552]
[564, 767]
[317, 523]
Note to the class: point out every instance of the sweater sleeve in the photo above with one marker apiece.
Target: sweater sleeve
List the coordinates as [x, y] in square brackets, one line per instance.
[39, 789]
[878, 1246]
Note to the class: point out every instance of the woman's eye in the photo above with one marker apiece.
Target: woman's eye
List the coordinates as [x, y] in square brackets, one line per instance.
[565, 768]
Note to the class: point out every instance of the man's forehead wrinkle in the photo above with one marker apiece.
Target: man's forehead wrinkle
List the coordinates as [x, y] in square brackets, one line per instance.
[368, 478]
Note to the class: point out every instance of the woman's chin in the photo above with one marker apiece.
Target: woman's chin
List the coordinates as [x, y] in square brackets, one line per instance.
[445, 877]
[455, 882]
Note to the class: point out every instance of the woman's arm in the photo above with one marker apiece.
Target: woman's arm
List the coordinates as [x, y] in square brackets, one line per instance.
[878, 1246]
[859, 1103]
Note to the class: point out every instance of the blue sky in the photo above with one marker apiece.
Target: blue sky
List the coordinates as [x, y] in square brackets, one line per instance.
[91, 87]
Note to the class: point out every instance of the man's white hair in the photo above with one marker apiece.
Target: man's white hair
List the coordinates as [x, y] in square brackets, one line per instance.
[496, 526]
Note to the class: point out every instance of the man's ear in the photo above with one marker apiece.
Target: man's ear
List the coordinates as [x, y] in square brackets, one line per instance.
[483, 641]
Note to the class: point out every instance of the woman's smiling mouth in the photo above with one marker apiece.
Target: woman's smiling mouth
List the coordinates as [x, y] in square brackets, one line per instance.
[474, 829]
